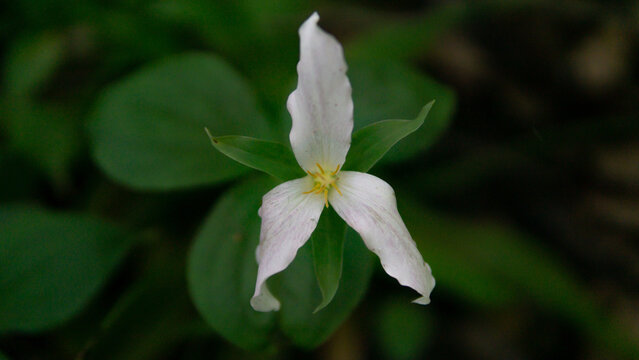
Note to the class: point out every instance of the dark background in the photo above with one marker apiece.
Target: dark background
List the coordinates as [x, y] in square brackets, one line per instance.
[533, 187]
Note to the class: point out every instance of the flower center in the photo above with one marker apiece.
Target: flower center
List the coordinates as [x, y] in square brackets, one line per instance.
[323, 181]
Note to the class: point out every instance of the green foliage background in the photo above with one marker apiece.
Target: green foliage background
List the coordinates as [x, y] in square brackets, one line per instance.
[125, 234]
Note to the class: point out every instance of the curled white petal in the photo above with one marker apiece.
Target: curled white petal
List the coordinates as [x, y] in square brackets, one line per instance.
[368, 205]
[321, 107]
[288, 219]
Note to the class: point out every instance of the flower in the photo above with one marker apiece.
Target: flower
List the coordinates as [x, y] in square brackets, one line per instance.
[322, 111]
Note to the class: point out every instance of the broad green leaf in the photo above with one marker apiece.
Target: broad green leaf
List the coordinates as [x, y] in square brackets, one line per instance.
[222, 268]
[392, 90]
[270, 157]
[327, 242]
[51, 265]
[371, 143]
[264, 29]
[31, 62]
[148, 130]
[3, 356]
[49, 136]
[296, 287]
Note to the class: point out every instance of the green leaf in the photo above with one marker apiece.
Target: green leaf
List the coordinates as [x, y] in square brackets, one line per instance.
[393, 90]
[52, 264]
[328, 248]
[371, 143]
[50, 136]
[3, 356]
[270, 157]
[147, 130]
[222, 269]
[296, 287]
[31, 62]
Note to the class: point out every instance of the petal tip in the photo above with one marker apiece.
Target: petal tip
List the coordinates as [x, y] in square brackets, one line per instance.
[424, 300]
[314, 17]
[311, 21]
[265, 303]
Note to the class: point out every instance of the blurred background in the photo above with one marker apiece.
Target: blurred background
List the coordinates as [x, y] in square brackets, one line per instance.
[124, 235]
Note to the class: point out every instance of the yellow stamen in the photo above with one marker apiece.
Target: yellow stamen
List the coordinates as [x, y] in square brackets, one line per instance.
[336, 188]
[312, 190]
[322, 182]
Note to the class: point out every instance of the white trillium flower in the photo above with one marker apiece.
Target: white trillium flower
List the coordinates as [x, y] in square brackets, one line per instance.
[322, 112]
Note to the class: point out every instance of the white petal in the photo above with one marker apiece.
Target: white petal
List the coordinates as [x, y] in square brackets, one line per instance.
[321, 106]
[288, 219]
[368, 205]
